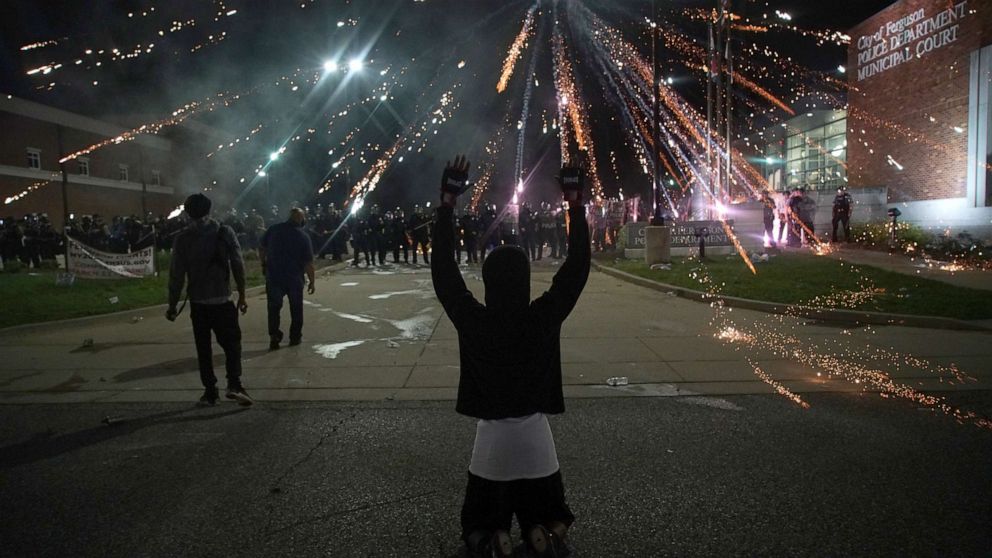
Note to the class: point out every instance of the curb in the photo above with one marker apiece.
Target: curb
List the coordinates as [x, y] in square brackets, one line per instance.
[139, 312]
[820, 314]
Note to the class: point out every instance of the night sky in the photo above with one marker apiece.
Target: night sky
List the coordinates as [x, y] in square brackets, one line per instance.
[203, 48]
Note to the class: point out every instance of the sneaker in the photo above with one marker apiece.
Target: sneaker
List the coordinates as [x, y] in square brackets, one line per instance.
[553, 545]
[496, 545]
[209, 398]
[274, 341]
[240, 395]
[294, 342]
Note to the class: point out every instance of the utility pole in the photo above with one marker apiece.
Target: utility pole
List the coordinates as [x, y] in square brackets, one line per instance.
[699, 199]
[725, 193]
[656, 217]
[717, 185]
[65, 195]
[144, 185]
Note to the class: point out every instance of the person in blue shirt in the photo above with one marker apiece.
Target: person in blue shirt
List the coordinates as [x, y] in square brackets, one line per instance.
[286, 253]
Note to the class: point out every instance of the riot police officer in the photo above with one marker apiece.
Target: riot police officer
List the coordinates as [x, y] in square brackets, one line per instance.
[525, 229]
[419, 226]
[376, 235]
[842, 214]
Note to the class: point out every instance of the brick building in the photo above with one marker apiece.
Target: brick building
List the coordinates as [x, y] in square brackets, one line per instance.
[918, 117]
[130, 178]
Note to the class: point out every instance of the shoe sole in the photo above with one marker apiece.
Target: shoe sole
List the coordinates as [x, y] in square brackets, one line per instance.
[242, 399]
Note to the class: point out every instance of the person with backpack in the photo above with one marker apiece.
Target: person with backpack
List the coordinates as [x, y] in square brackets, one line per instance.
[204, 257]
[510, 378]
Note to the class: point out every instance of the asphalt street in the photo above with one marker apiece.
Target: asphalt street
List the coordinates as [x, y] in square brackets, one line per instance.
[672, 476]
[354, 448]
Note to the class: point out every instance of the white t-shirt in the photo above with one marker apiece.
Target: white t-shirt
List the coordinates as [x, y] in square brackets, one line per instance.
[514, 448]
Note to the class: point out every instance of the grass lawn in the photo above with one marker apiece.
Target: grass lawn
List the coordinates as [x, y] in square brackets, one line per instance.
[798, 278]
[31, 296]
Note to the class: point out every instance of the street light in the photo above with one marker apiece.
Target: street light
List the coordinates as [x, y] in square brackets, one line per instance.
[330, 66]
[274, 155]
[356, 65]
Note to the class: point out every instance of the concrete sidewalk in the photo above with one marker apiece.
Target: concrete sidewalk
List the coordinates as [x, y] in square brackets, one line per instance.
[380, 334]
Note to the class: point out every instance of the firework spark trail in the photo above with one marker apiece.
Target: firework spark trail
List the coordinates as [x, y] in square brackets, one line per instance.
[676, 106]
[571, 110]
[31, 188]
[851, 370]
[516, 50]
[493, 148]
[367, 184]
[856, 116]
[844, 363]
[525, 112]
[94, 58]
[691, 51]
[775, 384]
[633, 120]
[178, 116]
[564, 134]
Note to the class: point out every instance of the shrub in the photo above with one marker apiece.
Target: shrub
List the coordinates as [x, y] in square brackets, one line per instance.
[621, 240]
[875, 234]
[12, 266]
[961, 248]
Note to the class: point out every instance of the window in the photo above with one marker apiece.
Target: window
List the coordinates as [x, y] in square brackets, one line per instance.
[83, 166]
[34, 158]
[979, 130]
[815, 158]
[122, 173]
[156, 178]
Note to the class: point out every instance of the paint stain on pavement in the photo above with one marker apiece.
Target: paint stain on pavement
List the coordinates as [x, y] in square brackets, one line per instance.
[384, 296]
[353, 317]
[332, 350]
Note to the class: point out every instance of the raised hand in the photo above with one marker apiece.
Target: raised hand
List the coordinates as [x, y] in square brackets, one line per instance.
[572, 181]
[454, 181]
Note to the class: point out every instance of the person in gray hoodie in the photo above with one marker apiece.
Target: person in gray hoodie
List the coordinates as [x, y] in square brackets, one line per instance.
[205, 256]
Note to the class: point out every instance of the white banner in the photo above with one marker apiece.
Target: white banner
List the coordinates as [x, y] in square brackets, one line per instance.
[94, 264]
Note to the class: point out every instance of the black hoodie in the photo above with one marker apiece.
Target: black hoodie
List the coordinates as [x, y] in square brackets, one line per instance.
[510, 348]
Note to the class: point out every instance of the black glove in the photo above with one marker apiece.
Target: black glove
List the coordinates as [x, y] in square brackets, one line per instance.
[572, 181]
[454, 181]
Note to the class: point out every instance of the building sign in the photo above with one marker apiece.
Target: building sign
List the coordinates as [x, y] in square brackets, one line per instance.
[94, 264]
[684, 234]
[909, 38]
[635, 235]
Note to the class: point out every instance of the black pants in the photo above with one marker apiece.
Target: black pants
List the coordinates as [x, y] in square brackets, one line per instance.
[275, 291]
[222, 320]
[421, 244]
[471, 246]
[360, 249]
[845, 221]
[401, 244]
[490, 505]
[795, 233]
